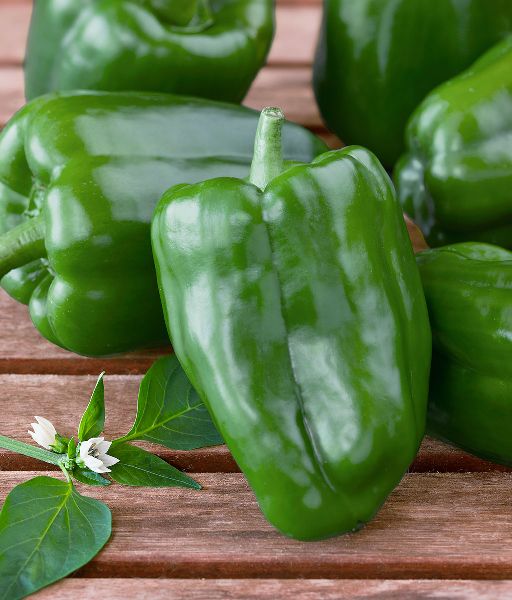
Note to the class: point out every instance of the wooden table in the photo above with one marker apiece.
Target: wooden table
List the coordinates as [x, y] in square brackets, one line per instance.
[446, 532]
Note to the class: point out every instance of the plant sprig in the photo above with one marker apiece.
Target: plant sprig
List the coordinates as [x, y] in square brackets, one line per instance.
[47, 528]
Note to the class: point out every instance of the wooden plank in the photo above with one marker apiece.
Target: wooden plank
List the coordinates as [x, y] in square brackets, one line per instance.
[23, 350]
[297, 26]
[63, 400]
[272, 589]
[330, 139]
[45, 395]
[291, 90]
[11, 91]
[433, 526]
[288, 88]
[297, 30]
[436, 456]
[14, 19]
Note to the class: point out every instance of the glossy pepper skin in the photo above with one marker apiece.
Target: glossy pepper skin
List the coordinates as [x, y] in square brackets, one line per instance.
[206, 48]
[378, 59]
[468, 288]
[80, 176]
[456, 179]
[295, 306]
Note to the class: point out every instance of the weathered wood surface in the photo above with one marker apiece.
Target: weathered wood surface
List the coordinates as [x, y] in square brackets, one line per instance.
[62, 399]
[23, 350]
[454, 526]
[276, 589]
[449, 519]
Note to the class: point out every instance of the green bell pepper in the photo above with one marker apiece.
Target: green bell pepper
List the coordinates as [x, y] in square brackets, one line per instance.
[205, 48]
[456, 179]
[295, 306]
[80, 175]
[469, 296]
[377, 60]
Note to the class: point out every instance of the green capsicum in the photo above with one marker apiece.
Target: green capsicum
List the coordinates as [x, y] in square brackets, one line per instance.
[80, 175]
[377, 60]
[468, 288]
[206, 48]
[456, 179]
[295, 306]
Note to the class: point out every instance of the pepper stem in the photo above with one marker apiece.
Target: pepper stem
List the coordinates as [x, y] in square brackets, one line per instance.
[267, 162]
[21, 245]
[31, 451]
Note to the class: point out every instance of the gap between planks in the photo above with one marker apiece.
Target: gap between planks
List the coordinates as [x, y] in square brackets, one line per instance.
[23, 396]
[433, 526]
[272, 589]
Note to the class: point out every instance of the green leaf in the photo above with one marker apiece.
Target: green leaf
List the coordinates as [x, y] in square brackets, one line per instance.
[89, 477]
[93, 419]
[170, 412]
[47, 530]
[140, 468]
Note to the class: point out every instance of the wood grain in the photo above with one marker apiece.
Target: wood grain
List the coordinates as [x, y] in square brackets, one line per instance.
[291, 90]
[23, 350]
[15, 22]
[23, 396]
[275, 589]
[297, 30]
[455, 526]
[11, 92]
[62, 399]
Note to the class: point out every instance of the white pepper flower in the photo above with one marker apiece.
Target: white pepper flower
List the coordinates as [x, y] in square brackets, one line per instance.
[44, 433]
[93, 453]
